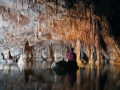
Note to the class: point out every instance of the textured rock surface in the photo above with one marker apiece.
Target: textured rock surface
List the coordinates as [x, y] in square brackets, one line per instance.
[56, 26]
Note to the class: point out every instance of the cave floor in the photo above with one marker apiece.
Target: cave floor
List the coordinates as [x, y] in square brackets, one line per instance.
[31, 77]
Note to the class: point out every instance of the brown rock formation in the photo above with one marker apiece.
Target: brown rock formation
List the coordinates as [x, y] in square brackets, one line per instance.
[49, 20]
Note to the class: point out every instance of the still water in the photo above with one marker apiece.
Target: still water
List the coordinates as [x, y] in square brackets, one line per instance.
[89, 77]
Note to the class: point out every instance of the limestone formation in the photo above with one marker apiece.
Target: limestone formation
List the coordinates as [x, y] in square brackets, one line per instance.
[60, 24]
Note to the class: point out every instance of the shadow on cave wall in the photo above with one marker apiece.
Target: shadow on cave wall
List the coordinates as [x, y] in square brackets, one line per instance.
[108, 8]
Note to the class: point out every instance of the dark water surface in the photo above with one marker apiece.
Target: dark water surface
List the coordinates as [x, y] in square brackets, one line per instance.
[105, 77]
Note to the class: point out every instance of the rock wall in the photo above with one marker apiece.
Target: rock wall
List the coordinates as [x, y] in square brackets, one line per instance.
[48, 23]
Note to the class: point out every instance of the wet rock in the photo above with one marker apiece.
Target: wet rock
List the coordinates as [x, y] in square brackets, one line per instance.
[18, 25]
[22, 62]
[9, 61]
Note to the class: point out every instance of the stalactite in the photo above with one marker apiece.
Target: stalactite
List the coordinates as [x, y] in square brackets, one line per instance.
[36, 31]
[87, 29]
[22, 3]
[45, 10]
[48, 50]
[84, 11]
[33, 1]
[93, 25]
[56, 6]
[55, 57]
[72, 29]
[18, 17]
[1, 19]
[61, 49]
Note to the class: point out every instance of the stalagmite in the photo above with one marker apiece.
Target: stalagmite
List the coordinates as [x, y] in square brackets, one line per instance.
[49, 58]
[98, 58]
[22, 62]
[78, 52]
[91, 61]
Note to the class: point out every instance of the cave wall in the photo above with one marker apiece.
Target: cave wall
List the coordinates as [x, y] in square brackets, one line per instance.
[75, 22]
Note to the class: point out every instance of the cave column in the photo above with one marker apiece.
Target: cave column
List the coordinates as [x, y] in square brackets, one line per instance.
[79, 62]
[97, 49]
[99, 54]
[49, 60]
[98, 58]
[91, 60]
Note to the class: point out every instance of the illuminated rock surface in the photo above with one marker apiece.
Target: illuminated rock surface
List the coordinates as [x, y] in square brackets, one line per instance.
[35, 34]
[51, 27]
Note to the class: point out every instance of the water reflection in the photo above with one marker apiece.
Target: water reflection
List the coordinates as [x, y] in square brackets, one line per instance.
[71, 77]
[88, 77]
[27, 74]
